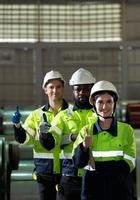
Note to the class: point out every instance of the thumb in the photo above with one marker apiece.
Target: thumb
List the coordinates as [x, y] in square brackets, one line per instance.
[17, 108]
[17, 112]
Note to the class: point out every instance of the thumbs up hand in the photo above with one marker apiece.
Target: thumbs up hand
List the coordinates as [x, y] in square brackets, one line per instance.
[44, 126]
[16, 116]
[46, 138]
[87, 140]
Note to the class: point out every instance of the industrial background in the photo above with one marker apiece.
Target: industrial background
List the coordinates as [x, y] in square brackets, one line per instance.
[39, 35]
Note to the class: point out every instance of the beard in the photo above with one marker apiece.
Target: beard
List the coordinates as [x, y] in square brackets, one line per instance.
[83, 103]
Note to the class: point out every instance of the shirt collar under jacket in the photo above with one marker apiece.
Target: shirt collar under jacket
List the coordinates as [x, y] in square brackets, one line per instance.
[112, 130]
[47, 106]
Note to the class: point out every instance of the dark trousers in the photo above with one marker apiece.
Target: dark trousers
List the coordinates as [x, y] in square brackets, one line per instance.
[46, 186]
[70, 188]
[106, 186]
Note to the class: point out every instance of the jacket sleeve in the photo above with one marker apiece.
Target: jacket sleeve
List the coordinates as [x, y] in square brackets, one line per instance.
[20, 134]
[130, 148]
[80, 157]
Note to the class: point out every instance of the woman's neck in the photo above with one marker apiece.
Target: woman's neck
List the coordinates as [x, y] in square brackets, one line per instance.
[105, 124]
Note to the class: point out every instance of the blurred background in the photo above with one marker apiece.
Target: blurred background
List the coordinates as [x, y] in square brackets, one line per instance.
[37, 36]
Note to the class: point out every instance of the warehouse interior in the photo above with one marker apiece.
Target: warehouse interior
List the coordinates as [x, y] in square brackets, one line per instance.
[37, 36]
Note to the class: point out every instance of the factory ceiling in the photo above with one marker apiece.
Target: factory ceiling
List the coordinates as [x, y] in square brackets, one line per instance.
[63, 1]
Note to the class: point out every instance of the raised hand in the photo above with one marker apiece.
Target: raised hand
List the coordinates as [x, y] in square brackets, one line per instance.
[16, 116]
[87, 140]
[87, 144]
[44, 126]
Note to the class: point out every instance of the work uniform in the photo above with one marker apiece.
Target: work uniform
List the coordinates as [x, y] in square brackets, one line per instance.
[114, 152]
[47, 163]
[66, 123]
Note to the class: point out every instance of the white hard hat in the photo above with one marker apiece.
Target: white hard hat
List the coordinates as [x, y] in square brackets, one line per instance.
[82, 76]
[52, 75]
[102, 86]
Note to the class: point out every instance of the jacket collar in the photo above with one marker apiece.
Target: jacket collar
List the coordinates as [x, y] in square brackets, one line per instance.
[112, 130]
[47, 106]
[76, 107]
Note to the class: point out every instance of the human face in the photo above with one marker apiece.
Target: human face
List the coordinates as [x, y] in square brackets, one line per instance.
[54, 90]
[82, 92]
[104, 105]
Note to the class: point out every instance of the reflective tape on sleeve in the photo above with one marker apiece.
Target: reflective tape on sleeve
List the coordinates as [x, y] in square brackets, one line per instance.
[133, 160]
[64, 155]
[43, 155]
[30, 131]
[56, 130]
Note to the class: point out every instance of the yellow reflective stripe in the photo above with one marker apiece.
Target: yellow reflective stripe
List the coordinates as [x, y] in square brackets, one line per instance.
[30, 131]
[64, 155]
[56, 130]
[43, 155]
[27, 139]
[133, 160]
[37, 137]
[107, 153]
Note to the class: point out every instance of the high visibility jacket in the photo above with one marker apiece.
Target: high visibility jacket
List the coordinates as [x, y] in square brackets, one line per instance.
[114, 153]
[66, 123]
[117, 143]
[45, 161]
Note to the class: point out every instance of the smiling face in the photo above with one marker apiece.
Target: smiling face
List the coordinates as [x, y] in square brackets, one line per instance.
[81, 93]
[54, 90]
[104, 104]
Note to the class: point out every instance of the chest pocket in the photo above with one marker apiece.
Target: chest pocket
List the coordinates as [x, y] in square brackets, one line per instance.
[116, 144]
